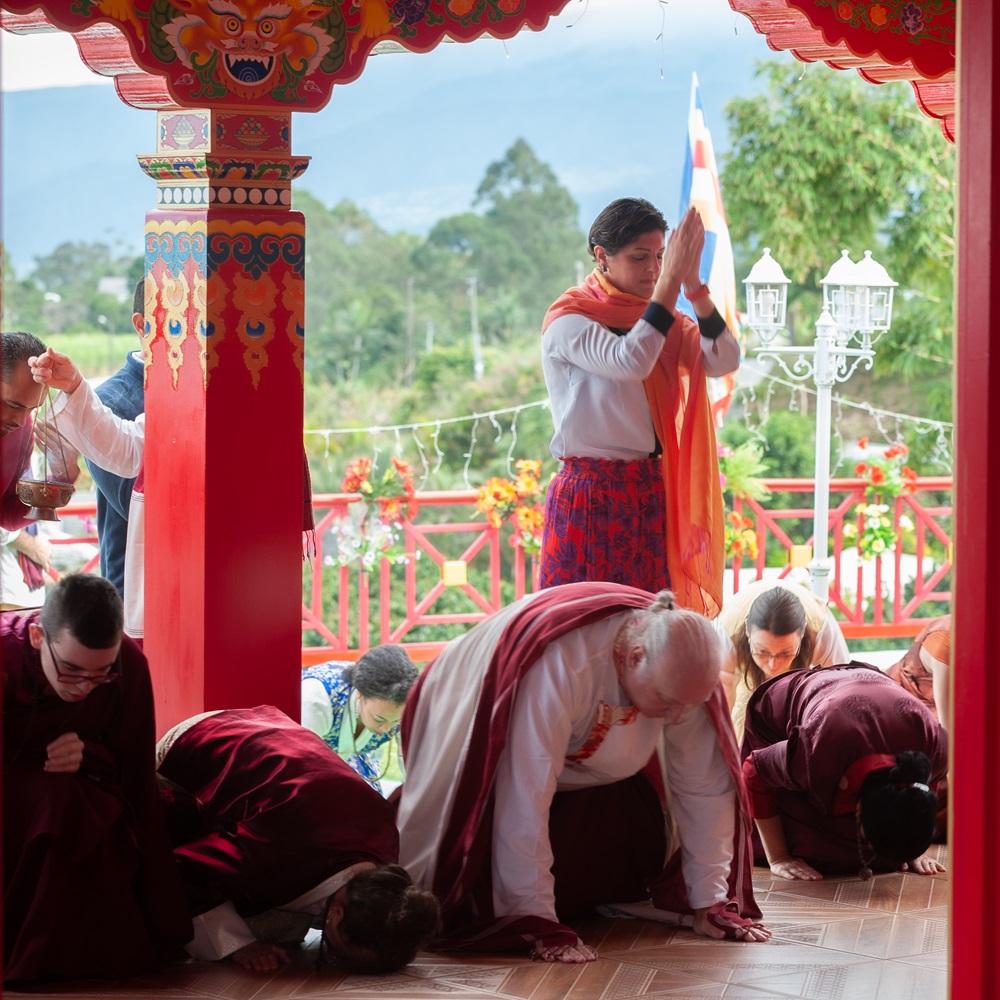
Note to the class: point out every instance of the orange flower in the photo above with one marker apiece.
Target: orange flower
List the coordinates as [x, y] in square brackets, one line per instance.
[878, 15]
[861, 468]
[845, 11]
[877, 476]
[388, 508]
[529, 519]
[389, 495]
[357, 473]
[459, 8]
[862, 443]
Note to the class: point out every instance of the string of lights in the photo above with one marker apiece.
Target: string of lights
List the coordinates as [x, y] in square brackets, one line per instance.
[890, 425]
[753, 398]
[431, 464]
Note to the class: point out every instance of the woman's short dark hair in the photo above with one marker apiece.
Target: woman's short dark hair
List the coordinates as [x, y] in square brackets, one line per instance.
[88, 607]
[779, 612]
[387, 920]
[384, 672]
[623, 222]
[898, 818]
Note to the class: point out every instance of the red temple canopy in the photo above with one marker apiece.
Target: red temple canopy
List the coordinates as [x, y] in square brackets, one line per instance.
[892, 40]
[283, 55]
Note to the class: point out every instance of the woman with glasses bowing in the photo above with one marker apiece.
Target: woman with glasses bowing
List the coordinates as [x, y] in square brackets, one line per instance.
[90, 888]
[772, 626]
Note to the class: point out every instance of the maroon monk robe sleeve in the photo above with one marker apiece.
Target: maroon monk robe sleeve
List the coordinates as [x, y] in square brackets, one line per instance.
[15, 462]
[133, 745]
[773, 766]
[762, 804]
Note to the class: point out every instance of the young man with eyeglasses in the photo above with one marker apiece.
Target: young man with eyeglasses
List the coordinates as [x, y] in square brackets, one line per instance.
[90, 887]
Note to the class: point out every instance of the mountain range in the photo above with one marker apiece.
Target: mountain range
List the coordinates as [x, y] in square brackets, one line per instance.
[409, 141]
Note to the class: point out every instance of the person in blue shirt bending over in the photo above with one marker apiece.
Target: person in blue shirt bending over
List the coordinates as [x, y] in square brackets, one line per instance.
[122, 393]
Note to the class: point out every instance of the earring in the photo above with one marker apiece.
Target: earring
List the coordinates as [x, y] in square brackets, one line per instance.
[604, 268]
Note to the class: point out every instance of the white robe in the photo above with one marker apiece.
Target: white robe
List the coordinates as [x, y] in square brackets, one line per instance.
[554, 713]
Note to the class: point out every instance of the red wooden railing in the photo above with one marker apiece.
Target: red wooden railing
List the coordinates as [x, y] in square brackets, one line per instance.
[868, 602]
[346, 611]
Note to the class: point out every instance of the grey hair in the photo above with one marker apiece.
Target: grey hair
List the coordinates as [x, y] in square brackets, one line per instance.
[17, 348]
[663, 622]
[384, 672]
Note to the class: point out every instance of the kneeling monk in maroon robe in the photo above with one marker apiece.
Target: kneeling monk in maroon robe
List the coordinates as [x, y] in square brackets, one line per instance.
[274, 835]
[841, 763]
[90, 888]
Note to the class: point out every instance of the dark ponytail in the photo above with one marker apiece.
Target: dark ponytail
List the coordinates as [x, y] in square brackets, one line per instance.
[898, 809]
[387, 920]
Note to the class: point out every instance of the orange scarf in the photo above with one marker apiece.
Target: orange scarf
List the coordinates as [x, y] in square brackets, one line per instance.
[682, 416]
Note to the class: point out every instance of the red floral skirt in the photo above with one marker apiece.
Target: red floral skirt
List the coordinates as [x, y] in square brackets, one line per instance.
[606, 521]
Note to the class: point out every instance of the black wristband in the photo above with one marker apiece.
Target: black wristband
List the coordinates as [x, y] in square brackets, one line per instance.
[712, 326]
[662, 319]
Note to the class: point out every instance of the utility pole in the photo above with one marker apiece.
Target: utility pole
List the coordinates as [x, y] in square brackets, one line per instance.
[477, 347]
[409, 331]
[429, 338]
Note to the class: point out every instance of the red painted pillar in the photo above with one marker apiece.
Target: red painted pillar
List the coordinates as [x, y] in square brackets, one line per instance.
[975, 813]
[225, 260]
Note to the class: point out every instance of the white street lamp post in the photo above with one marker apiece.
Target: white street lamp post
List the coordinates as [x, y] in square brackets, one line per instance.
[857, 309]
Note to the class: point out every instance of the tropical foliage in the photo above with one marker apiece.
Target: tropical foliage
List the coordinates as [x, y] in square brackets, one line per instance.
[824, 161]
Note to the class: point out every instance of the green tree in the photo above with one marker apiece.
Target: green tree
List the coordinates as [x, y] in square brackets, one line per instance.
[823, 161]
[69, 278]
[356, 293]
[527, 239]
[21, 298]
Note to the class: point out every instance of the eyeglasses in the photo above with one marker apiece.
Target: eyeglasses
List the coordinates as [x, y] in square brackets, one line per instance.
[80, 678]
[764, 654]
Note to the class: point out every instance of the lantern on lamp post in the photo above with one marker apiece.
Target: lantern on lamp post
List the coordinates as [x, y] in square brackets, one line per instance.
[857, 310]
[767, 297]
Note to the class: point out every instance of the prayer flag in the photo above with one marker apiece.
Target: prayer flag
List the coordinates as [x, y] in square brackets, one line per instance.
[700, 187]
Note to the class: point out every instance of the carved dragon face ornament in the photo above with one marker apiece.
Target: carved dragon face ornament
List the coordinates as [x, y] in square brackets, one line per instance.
[249, 47]
[274, 53]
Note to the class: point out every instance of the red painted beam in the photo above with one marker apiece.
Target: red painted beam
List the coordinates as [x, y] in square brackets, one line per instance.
[975, 812]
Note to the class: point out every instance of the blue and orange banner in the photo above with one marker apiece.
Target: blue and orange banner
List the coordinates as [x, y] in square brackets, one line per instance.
[700, 188]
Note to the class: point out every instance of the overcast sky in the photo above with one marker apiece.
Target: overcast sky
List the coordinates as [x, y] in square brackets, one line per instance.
[51, 60]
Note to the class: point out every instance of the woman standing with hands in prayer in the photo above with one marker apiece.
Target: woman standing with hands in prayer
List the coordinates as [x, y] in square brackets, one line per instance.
[638, 498]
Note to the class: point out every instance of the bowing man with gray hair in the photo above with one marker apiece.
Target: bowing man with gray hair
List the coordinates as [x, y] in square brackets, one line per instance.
[572, 750]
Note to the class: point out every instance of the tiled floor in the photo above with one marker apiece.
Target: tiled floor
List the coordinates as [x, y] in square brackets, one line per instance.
[840, 939]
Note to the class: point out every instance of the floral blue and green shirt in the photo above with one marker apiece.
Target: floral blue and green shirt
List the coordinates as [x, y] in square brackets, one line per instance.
[330, 709]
